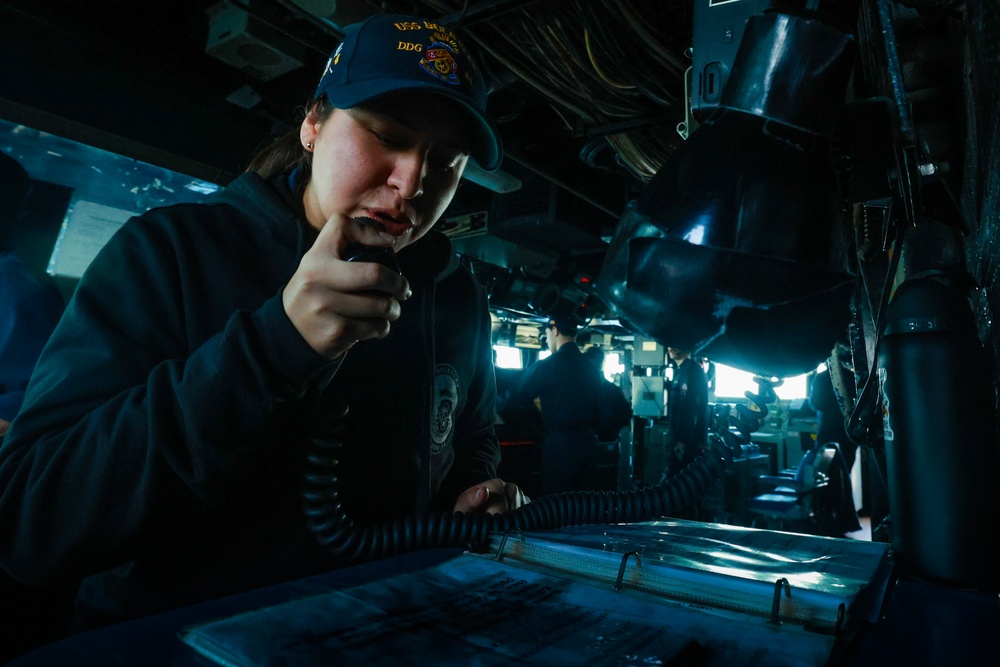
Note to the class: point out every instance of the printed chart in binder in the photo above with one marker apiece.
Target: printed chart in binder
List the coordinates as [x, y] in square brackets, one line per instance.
[667, 592]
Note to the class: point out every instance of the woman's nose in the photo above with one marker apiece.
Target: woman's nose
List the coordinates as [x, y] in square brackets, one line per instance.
[408, 175]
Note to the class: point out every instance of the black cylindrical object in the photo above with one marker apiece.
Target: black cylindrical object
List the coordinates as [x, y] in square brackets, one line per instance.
[943, 465]
[791, 69]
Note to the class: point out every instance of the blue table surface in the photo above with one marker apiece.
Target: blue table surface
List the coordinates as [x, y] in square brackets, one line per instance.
[153, 641]
[921, 625]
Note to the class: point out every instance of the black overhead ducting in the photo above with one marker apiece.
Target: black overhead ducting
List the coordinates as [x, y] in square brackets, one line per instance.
[737, 249]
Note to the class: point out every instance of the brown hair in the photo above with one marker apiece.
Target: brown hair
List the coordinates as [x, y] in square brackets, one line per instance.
[286, 152]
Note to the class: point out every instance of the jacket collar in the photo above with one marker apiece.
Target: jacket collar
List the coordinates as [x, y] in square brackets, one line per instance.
[268, 203]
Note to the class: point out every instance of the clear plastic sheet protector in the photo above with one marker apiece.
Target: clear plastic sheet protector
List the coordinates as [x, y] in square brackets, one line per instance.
[564, 598]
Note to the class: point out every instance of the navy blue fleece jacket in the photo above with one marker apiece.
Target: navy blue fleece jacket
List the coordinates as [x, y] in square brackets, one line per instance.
[159, 453]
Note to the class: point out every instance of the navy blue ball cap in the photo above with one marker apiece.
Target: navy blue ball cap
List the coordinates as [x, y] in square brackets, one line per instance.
[389, 53]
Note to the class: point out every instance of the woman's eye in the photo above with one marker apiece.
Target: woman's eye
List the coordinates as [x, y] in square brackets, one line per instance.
[445, 163]
[387, 139]
[444, 166]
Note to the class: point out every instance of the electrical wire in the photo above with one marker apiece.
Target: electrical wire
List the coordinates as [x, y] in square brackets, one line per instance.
[573, 55]
[634, 21]
[644, 167]
[597, 67]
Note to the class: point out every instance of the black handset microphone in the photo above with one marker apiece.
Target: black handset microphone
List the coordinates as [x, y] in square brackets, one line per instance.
[358, 252]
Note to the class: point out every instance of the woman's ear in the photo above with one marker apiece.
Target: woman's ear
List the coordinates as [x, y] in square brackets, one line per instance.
[308, 130]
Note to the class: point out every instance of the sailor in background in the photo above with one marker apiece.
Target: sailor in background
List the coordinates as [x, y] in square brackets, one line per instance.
[568, 385]
[687, 411]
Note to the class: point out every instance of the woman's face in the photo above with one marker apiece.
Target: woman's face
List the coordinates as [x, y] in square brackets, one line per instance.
[397, 160]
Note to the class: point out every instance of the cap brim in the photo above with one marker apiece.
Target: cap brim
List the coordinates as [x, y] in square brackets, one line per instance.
[486, 146]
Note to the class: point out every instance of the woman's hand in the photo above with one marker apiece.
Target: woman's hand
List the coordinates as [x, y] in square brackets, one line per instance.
[334, 303]
[492, 496]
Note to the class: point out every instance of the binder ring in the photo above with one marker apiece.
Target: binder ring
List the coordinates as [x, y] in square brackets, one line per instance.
[621, 568]
[776, 602]
[503, 543]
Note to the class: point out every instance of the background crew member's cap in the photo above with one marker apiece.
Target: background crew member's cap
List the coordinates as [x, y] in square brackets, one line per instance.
[392, 52]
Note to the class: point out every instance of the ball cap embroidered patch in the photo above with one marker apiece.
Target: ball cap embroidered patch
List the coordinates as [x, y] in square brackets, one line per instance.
[389, 53]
